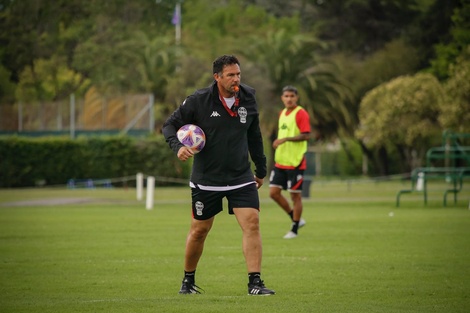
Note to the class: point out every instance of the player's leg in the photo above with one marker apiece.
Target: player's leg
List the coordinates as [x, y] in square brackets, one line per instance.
[195, 242]
[296, 198]
[194, 247]
[278, 182]
[244, 203]
[248, 219]
[205, 205]
[295, 182]
[275, 193]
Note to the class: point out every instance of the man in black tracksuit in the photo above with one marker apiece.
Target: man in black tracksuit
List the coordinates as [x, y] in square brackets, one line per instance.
[227, 113]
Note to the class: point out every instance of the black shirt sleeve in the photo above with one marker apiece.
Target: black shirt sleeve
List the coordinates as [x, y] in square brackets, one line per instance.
[181, 116]
[255, 146]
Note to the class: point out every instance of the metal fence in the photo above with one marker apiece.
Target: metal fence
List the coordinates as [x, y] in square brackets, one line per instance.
[124, 113]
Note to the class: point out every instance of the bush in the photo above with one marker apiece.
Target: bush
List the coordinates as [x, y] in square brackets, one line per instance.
[29, 162]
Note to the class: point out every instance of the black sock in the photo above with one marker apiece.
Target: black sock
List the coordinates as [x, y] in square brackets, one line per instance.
[252, 276]
[291, 214]
[295, 226]
[190, 276]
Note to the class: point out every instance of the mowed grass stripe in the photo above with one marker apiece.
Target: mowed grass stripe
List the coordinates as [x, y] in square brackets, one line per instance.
[352, 256]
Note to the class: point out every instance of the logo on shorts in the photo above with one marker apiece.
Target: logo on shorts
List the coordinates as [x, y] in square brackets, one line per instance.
[199, 207]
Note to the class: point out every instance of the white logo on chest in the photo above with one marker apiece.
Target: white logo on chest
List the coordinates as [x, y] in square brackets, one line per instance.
[243, 113]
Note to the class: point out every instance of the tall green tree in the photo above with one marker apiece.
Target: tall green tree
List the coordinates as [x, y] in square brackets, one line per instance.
[455, 110]
[456, 41]
[7, 87]
[395, 59]
[364, 26]
[31, 30]
[49, 79]
[288, 58]
[85, 34]
[402, 115]
[154, 59]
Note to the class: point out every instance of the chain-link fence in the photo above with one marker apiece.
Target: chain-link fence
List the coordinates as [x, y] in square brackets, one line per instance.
[125, 113]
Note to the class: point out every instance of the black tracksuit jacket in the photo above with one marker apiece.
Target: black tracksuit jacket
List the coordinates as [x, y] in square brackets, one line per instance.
[230, 141]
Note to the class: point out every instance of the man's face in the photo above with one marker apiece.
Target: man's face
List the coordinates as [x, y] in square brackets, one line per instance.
[289, 98]
[229, 78]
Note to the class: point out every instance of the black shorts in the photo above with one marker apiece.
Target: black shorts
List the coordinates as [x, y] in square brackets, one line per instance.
[290, 180]
[206, 204]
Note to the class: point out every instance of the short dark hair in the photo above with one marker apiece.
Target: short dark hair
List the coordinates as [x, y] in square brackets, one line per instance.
[291, 89]
[220, 62]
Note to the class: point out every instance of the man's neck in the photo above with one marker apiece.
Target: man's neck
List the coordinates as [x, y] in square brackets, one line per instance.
[224, 93]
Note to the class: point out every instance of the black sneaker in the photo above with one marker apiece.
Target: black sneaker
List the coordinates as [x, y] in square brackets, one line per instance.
[257, 288]
[189, 287]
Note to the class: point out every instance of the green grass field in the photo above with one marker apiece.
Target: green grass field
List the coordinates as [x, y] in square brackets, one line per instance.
[100, 250]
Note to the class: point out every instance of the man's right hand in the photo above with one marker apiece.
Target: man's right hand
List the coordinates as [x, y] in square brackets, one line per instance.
[185, 153]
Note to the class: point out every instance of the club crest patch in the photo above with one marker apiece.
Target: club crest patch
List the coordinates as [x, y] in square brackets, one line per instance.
[243, 113]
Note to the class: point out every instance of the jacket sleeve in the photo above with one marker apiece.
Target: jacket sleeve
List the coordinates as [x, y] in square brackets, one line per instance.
[181, 116]
[255, 146]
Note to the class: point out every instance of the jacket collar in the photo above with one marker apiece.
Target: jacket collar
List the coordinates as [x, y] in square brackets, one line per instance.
[215, 92]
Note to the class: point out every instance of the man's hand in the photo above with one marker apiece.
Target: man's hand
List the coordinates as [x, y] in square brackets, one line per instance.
[278, 142]
[259, 182]
[184, 153]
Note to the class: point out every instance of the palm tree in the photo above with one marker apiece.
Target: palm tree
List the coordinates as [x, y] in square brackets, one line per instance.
[155, 61]
[294, 59]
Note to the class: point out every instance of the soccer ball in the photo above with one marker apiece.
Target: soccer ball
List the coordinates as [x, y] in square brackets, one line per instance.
[192, 136]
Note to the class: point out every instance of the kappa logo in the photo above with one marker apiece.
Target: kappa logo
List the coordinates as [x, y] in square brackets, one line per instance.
[215, 114]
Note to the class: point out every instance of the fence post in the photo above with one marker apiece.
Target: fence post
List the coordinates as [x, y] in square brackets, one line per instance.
[420, 182]
[72, 116]
[150, 192]
[139, 185]
[151, 113]
[20, 116]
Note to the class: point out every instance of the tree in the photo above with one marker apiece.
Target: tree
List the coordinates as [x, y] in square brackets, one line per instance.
[7, 87]
[294, 59]
[49, 79]
[155, 61]
[448, 49]
[85, 34]
[402, 114]
[364, 26]
[455, 110]
[31, 30]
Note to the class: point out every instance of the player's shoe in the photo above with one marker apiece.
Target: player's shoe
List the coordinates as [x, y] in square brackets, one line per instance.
[257, 288]
[290, 235]
[302, 222]
[189, 287]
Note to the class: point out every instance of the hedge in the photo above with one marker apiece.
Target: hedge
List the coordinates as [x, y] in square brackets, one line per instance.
[26, 161]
